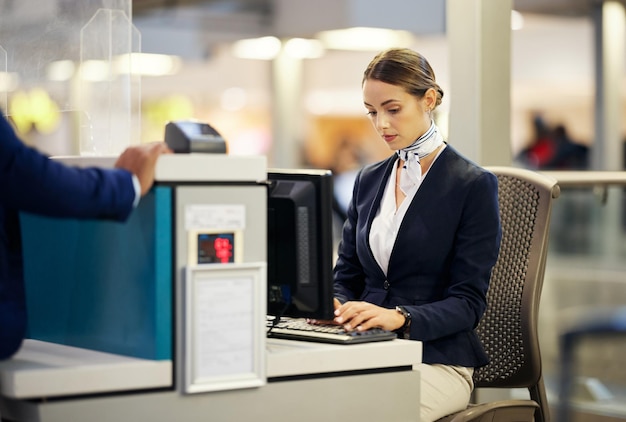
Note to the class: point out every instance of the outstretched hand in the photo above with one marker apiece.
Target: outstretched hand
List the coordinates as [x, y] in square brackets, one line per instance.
[141, 161]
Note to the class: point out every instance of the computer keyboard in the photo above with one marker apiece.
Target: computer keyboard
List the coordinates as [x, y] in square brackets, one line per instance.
[300, 329]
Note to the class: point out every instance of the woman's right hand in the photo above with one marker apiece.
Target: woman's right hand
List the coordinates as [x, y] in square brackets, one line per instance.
[361, 316]
[336, 305]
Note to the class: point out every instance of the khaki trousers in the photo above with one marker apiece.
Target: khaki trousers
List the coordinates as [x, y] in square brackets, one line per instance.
[444, 390]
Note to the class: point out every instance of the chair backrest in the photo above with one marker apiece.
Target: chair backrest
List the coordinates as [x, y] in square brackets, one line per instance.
[508, 329]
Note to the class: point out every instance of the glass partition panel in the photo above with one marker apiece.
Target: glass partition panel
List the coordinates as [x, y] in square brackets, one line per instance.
[45, 44]
[105, 95]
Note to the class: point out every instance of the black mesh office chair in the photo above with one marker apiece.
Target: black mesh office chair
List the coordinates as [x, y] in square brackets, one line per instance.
[508, 329]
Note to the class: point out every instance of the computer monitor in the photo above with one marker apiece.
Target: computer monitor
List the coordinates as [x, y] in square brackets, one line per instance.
[300, 242]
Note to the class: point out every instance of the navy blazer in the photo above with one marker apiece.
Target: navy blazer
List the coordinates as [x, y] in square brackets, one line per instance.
[441, 261]
[31, 182]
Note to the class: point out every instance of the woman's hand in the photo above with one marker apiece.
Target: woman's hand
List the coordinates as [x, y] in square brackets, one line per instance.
[336, 305]
[363, 316]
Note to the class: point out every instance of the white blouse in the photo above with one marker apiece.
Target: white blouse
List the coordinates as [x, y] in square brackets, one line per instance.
[387, 222]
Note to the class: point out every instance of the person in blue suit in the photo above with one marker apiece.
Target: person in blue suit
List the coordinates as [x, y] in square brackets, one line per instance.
[421, 237]
[31, 182]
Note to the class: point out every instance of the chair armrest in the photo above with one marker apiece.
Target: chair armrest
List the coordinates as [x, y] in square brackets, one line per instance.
[502, 411]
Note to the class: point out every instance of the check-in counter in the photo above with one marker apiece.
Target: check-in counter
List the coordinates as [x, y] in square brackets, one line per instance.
[142, 320]
[307, 381]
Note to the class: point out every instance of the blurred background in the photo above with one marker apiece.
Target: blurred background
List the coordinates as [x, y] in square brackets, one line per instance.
[282, 78]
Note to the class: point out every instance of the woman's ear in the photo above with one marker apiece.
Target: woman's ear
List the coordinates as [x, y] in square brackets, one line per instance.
[430, 99]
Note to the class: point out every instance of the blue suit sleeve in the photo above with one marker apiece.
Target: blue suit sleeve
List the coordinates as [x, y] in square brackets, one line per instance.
[31, 182]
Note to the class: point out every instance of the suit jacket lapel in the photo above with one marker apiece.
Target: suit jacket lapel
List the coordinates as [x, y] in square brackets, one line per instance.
[428, 190]
[376, 205]
[380, 190]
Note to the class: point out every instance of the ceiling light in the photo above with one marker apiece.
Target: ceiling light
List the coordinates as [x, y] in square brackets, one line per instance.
[365, 39]
[95, 70]
[60, 70]
[148, 64]
[301, 48]
[264, 48]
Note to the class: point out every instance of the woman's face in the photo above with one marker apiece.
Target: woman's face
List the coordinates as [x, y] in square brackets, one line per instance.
[399, 117]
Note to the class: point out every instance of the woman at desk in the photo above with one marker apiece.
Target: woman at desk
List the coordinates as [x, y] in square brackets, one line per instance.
[422, 235]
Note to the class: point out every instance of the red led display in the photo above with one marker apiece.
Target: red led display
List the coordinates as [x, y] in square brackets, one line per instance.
[216, 248]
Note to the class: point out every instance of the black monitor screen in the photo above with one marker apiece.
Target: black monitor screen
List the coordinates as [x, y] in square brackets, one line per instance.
[299, 250]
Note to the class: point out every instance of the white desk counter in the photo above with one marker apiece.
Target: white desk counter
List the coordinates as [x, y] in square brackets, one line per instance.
[42, 369]
[306, 382]
[296, 358]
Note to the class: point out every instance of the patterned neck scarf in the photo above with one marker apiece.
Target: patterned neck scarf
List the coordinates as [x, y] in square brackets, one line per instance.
[412, 171]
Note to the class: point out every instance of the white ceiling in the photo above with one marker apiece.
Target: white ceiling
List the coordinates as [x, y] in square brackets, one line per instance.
[190, 27]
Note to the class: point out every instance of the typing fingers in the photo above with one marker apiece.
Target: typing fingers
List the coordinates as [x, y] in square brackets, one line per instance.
[358, 315]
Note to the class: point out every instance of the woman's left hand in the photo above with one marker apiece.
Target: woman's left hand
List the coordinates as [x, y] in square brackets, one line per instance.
[364, 315]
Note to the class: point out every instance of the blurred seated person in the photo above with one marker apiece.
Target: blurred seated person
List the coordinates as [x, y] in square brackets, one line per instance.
[567, 155]
[553, 149]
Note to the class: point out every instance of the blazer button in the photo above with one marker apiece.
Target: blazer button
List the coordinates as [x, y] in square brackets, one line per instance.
[386, 285]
